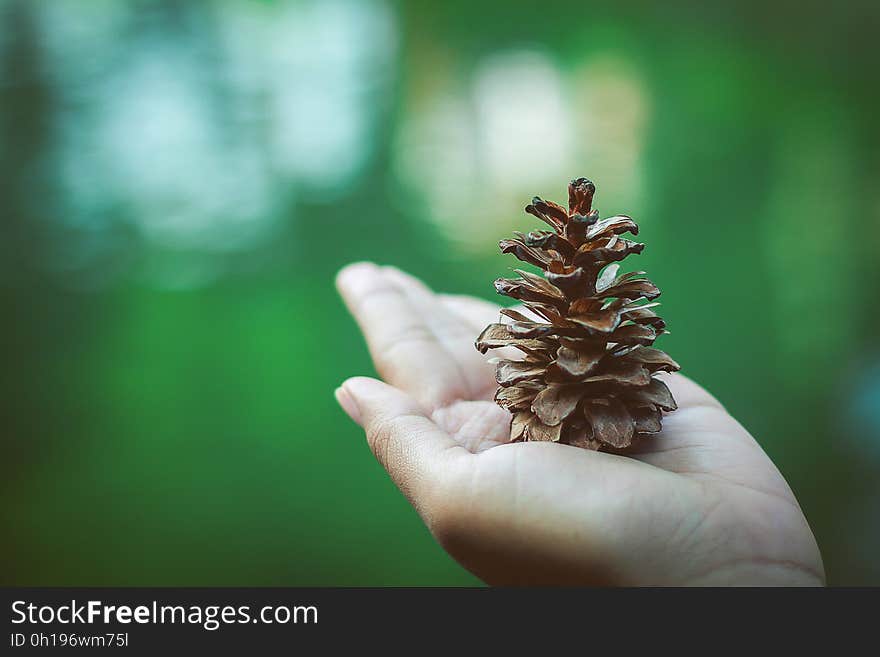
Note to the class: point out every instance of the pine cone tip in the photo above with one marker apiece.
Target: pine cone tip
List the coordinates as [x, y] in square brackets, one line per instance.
[580, 196]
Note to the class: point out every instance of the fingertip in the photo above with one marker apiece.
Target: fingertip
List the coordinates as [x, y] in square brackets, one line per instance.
[376, 399]
[364, 390]
[348, 403]
[361, 384]
[352, 273]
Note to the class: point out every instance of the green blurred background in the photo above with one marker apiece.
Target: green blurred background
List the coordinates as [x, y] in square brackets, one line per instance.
[180, 181]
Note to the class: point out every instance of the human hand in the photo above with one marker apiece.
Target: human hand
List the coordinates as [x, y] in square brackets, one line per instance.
[698, 504]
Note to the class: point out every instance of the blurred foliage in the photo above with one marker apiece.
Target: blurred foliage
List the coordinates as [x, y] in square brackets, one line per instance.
[180, 181]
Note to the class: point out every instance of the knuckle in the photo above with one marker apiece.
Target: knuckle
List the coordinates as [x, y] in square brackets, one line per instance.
[380, 437]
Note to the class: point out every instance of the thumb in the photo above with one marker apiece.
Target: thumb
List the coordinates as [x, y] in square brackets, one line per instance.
[416, 453]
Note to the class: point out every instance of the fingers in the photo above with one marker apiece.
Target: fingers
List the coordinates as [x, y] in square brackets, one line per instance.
[455, 334]
[476, 312]
[417, 454]
[422, 342]
[405, 350]
[687, 393]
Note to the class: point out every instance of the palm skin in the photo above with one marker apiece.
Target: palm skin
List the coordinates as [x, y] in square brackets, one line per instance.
[698, 504]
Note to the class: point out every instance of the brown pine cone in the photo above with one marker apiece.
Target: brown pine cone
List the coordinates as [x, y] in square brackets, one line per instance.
[586, 378]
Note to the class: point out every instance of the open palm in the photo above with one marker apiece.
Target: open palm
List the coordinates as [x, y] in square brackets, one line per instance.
[698, 504]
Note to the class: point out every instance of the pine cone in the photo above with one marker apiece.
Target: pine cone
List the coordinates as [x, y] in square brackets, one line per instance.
[587, 375]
